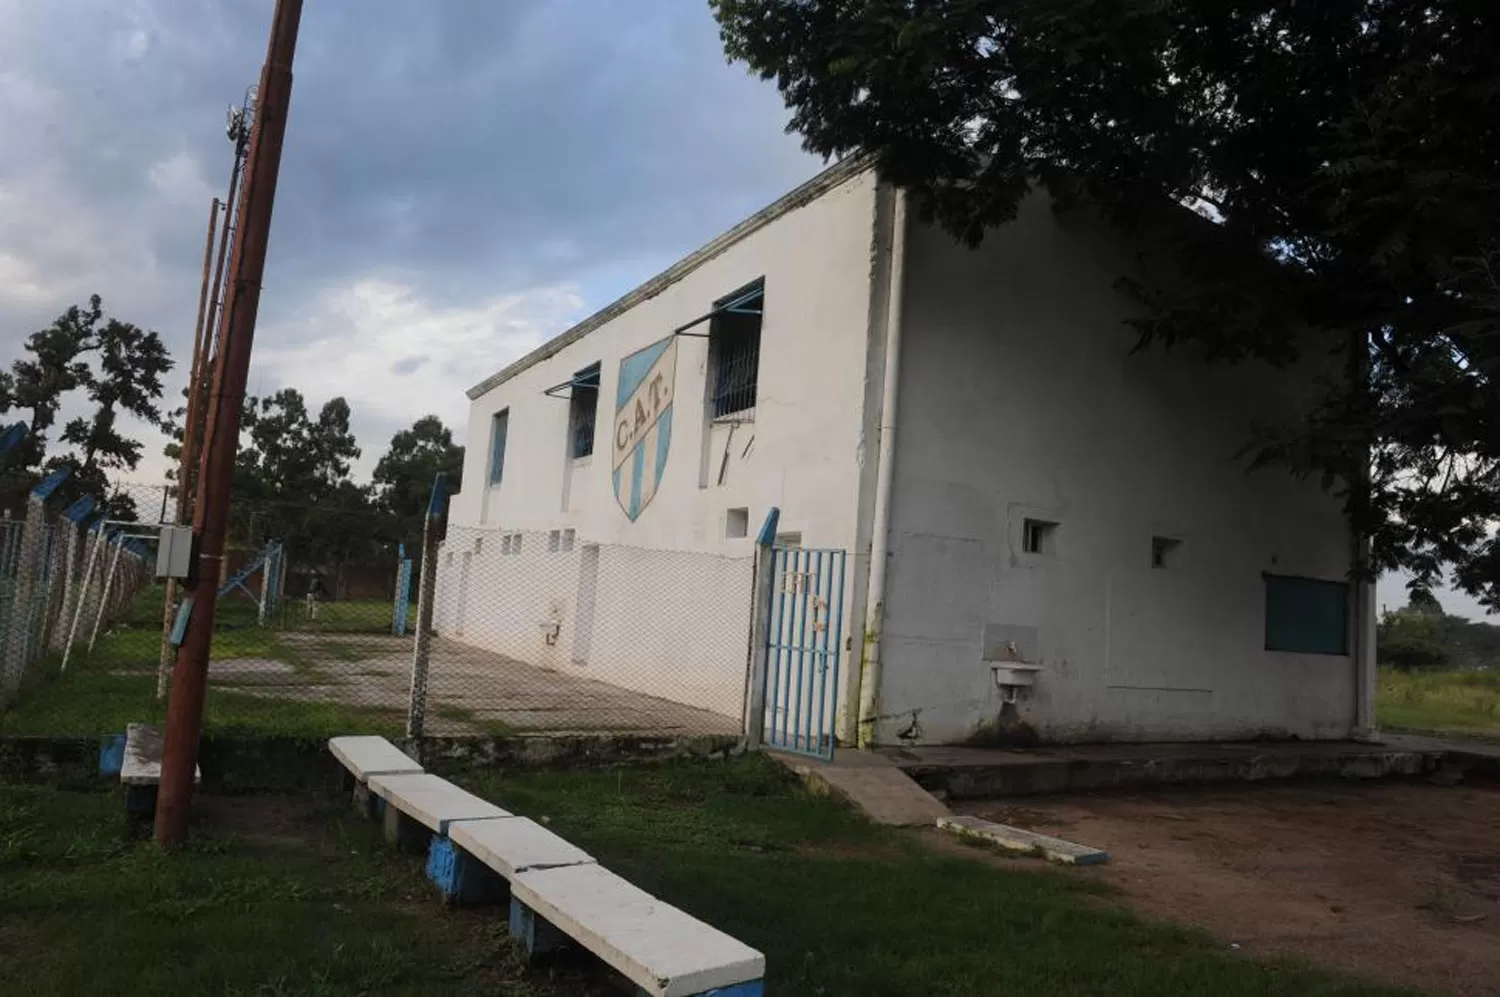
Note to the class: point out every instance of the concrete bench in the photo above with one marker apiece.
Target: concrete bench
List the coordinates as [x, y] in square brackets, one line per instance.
[140, 768]
[420, 805]
[363, 756]
[477, 860]
[662, 950]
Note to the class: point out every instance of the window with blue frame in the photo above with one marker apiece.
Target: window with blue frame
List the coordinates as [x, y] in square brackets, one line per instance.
[1307, 615]
[734, 352]
[499, 428]
[583, 411]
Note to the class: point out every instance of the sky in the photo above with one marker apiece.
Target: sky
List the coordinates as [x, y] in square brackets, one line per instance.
[461, 180]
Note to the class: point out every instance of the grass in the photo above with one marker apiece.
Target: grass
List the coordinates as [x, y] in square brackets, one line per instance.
[842, 907]
[1466, 703]
[282, 897]
[345, 616]
[115, 684]
[278, 896]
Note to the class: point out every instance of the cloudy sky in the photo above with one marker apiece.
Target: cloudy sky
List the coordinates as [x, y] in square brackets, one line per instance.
[462, 178]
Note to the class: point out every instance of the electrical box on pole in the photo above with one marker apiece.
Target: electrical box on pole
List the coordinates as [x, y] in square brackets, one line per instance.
[174, 552]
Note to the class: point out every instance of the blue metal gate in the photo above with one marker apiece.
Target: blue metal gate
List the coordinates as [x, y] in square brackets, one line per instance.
[804, 645]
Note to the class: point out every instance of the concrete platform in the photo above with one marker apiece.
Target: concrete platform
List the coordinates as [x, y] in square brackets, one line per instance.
[981, 773]
[872, 783]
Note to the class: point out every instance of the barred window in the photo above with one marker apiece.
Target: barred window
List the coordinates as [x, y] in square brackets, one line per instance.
[583, 410]
[734, 349]
[499, 428]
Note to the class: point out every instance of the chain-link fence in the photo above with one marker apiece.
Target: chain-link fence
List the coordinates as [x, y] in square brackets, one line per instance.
[548, 631]
[316, 627]
[76, 596]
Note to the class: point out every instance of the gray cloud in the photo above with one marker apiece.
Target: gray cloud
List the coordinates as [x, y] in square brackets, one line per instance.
[473, 172]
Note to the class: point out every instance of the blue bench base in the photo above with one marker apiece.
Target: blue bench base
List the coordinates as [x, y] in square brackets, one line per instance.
[461, 878]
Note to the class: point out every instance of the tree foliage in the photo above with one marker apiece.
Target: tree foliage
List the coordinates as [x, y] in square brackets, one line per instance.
[403, 477]
[1347, 151]
[116, 367]
[292, 482]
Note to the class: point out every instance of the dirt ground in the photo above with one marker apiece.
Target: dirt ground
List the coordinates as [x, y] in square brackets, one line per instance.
[1395, 882]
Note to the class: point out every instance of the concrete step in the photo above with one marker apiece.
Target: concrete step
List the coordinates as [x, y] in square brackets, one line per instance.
[870, 782]
[984, 773]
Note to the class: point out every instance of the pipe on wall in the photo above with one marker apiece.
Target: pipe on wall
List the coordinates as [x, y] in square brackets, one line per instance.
[885, 462]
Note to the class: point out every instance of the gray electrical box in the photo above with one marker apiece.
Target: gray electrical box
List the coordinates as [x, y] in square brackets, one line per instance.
[174, 552]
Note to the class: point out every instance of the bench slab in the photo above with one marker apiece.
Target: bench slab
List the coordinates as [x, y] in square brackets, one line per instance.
[431, 800]
[141, 763]
[517, 845]
[365, 755]
[661, 949]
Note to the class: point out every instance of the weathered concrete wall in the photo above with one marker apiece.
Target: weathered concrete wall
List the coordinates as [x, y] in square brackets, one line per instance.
[1020, 399]
[668, 623]
[802, 451]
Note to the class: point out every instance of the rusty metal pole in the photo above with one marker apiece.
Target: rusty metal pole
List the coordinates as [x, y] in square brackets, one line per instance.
[169, 600]
[211, 515]
[214, 320]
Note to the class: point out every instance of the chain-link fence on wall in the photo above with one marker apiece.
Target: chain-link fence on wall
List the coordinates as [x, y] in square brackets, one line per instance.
[548, 631]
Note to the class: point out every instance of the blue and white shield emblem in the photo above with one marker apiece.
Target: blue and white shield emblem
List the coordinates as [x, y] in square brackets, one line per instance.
[642, 432]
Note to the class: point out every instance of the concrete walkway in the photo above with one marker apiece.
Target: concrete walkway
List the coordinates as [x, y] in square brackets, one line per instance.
[470, 691]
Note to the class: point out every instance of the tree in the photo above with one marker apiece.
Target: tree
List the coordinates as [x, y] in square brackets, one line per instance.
[403, 477]
[1410, 639]
[292, 484]
[119, 368]
[1343, 151]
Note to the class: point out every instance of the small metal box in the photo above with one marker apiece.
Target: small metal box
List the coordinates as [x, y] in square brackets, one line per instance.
[174, 552]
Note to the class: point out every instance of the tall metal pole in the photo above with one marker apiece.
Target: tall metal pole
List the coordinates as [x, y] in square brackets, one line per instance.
[214, 321]
[211, 512]
[190, 418]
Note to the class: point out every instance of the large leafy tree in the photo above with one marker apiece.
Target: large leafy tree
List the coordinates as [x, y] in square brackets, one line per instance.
[403, 477]
[116, 367]
[1347, 153]
[292, 483]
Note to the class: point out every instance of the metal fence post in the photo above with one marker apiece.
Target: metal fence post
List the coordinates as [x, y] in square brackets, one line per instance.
[403, 592]
[432, 536]
[760, 624]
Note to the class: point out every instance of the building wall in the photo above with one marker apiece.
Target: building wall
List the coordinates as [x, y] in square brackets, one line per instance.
[802, 451]
[668, 623]
[1020, 399]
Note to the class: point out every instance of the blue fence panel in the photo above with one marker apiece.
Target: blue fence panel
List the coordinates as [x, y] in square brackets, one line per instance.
[804, 649]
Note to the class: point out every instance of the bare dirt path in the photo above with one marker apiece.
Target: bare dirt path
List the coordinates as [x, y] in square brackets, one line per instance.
[1395, 882]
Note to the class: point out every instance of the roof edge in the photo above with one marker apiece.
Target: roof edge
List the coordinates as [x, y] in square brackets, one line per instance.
[805, 193]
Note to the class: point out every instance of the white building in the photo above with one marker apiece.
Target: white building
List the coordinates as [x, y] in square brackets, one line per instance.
[1049, 507]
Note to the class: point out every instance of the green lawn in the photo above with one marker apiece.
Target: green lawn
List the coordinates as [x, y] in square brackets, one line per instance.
[1462, 703]
[276, 896]
[115, 684]
[842, 907]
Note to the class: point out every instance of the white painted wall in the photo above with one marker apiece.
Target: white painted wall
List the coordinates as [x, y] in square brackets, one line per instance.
[667, 623]
[1020, 398]
[802, 452]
